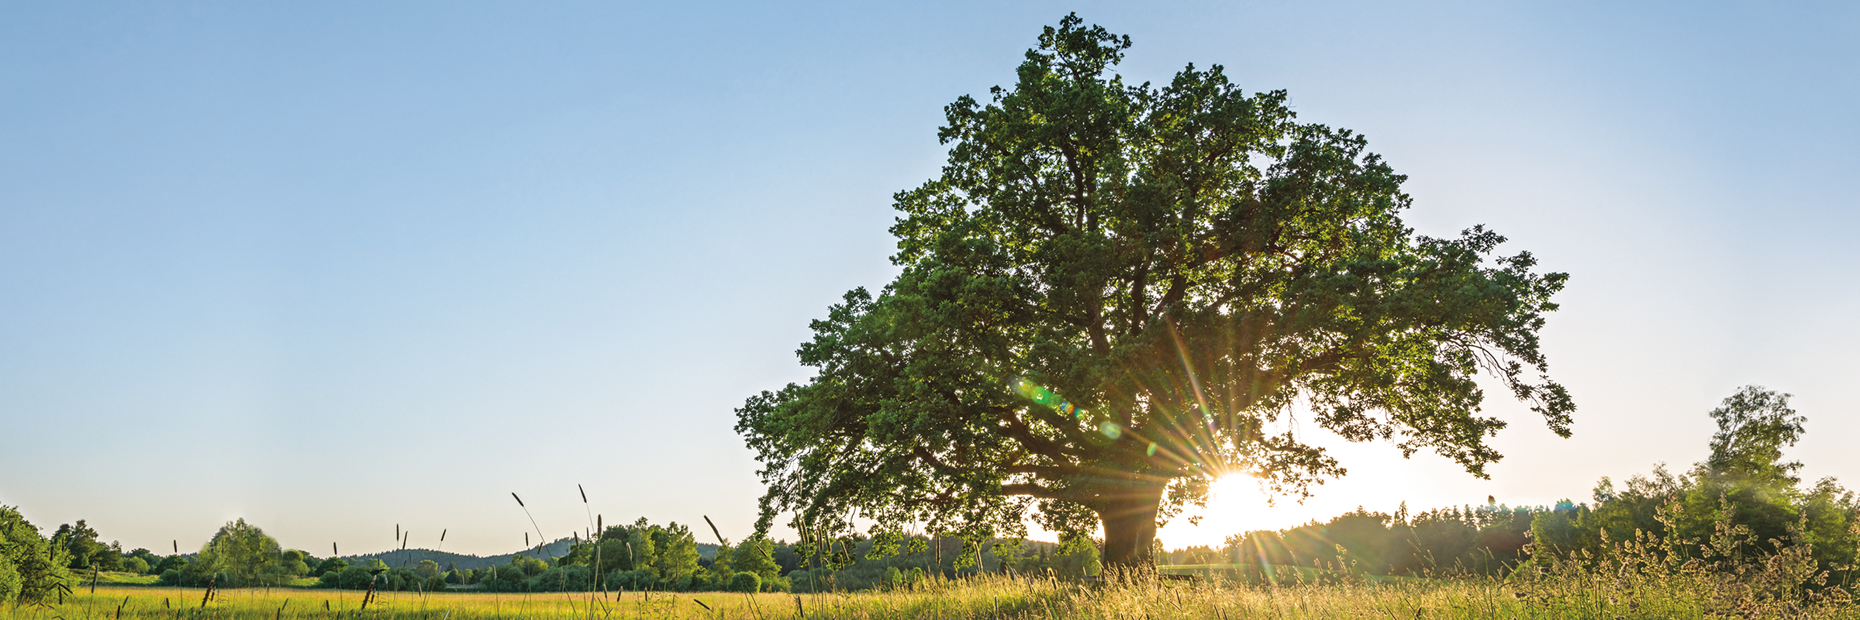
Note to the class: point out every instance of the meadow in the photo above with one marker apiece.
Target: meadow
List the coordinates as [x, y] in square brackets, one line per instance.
[1584, 595]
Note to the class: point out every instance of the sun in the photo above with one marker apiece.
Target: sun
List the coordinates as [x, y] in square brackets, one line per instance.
[1235, 505]
[1233, 501]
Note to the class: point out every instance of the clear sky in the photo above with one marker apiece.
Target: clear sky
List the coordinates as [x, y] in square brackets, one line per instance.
[334, 267]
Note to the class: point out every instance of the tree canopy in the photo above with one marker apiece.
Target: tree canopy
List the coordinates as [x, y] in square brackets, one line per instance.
[1115, 293]
[1754, 425]
[32, 568]
[241, 555]
[1742, 485]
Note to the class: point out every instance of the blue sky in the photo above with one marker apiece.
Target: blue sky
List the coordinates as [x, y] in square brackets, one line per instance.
[334, 267]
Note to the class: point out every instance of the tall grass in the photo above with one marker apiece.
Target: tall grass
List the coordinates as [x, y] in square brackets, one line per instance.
[1728, 575]
[1547, 594]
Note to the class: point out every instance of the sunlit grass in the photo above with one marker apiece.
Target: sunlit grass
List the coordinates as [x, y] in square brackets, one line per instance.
[987, 597]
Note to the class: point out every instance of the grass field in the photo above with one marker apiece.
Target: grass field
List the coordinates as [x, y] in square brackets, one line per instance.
[132, 579]
[981, 598]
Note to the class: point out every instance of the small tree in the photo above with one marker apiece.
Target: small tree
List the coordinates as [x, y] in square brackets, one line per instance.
[81, 545]
[31, 567]
[1754, 425]
[242, 552]
[757, 555]
[678, 554]
[329, 565]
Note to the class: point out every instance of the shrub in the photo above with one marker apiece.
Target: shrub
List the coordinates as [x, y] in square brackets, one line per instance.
[38, 565]
[171, 577]
[9, 580]
[572, 578]
[330, 565]
[633, 580]
[352, 578]
[170, 562]
[135, 565]
[746, 582]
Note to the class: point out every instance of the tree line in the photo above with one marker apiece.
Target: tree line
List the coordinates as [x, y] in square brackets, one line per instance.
[1743, 488]
[645, 556]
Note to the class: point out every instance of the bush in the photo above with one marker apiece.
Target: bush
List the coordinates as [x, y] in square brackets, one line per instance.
[353, 578]
[746, 582]
[36, 564]
[170, 562]
[171, 577]
[506, 578]
[135, 565]
[572, 578]
[330, 565]
[9, 580]
[632, 580]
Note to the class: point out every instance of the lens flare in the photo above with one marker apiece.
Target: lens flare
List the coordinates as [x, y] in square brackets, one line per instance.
[1039, 394]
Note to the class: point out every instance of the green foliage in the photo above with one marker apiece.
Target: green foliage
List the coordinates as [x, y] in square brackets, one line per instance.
[678, 554]
[1754, 425]
[745, 582]
[725, 561]
[669, 552]
[135, 565]
[633, 580]
[1077, 558]
[149, 560]
[329, 565]
[173, 562]
[242, 555]
[294, 563]
[37, 566]
[1481, 540]
[1742, 485]
[10, 580]
[756, 555]
[642, 554]
[86, 552]
[1116, 292]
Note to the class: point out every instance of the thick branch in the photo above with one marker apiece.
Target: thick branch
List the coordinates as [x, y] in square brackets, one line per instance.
[924, 454]
[1178, 286]
[1017, 429]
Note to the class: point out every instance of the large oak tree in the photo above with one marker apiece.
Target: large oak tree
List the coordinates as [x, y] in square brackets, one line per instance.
[1116, 293]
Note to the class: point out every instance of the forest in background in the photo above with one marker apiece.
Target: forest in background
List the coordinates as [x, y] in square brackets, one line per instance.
[1744, 489]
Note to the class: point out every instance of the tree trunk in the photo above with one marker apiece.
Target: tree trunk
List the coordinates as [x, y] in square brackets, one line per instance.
[1130, 527]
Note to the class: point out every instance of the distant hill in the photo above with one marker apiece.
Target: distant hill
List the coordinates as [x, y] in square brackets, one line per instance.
[412, 557]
